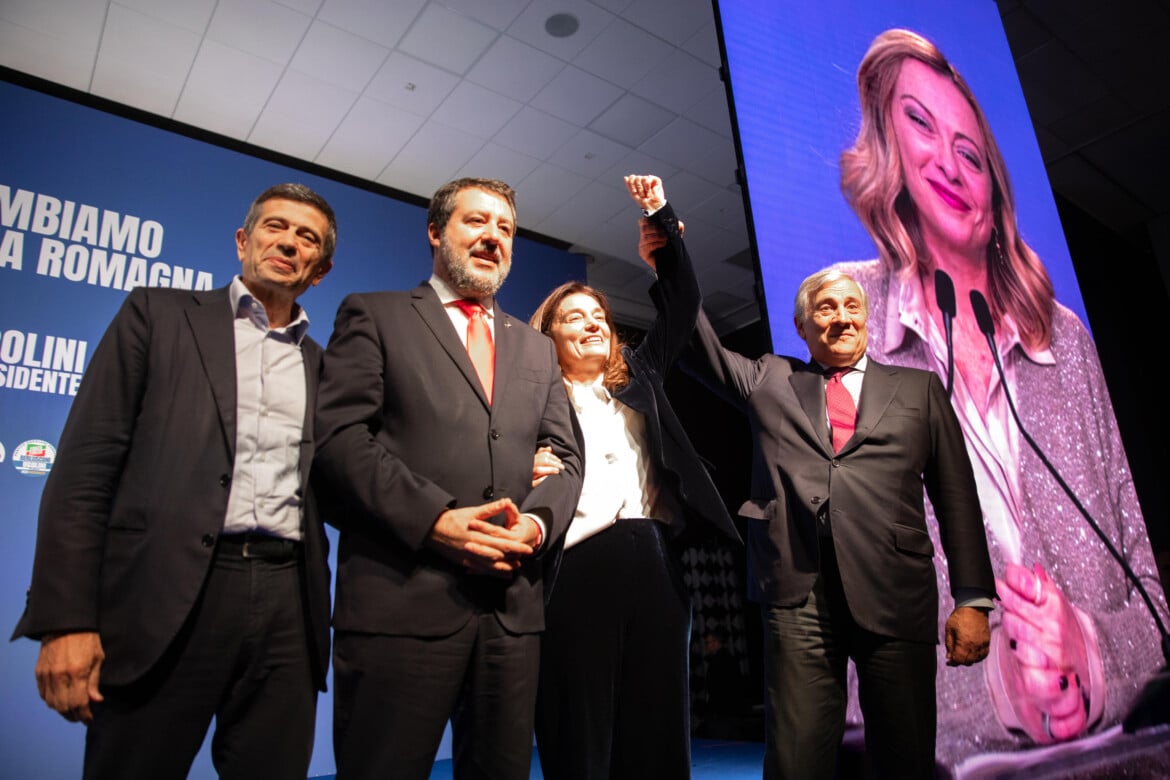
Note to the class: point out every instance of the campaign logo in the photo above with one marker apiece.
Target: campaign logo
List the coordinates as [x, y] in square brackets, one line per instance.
[34, 457]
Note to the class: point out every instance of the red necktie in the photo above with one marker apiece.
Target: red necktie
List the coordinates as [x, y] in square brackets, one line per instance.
[842, 410]
[479, 343]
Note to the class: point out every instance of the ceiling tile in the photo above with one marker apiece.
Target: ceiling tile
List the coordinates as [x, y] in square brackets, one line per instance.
[475, 110]
[575, 221]
[529, 27]
[677, 82]
[576, 96]
[704, 45]
[409, 84]
[535, 133]
[675, 21]
[684, 190]
[369, 137]
[1056, 82]
[306, 7]
[47, 56]
[639, 163]
[495, 162]
[1092, 121]
[631, 120]
[430, 158]
[544, 191]
[265, 28]
[301, 115]
[191, 15]
[377, 20]
[143, 62]
[70, 21]
[497, 14]
[622, 54]
[335, 56]
[463, 39]
[589, 154]
[1134, 157]
[226, 90]
[1090, 190]
[513, 68]
[697, 149]
[712, 112]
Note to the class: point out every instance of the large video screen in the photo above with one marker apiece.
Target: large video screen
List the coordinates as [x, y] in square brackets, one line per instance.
[935, 166]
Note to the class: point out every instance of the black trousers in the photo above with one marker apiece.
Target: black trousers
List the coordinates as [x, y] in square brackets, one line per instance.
[806, 653]
[242, 658]
[393, 696]
[614, 700]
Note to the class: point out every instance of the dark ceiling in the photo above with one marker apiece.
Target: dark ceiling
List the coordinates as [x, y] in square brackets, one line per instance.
[1094, 74]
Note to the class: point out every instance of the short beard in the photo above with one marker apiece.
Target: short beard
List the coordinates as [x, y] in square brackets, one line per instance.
[465, 281]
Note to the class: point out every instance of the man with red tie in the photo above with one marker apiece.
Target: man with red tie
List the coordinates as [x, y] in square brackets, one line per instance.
[839, 555]
[432, 403]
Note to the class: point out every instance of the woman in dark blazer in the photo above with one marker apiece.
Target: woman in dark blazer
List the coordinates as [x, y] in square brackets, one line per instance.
[613, 699]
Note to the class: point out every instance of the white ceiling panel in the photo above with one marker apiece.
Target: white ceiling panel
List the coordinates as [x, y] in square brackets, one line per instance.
[380, 21]
[536, 133]
[631, 120]
[336, 56]
[143, 61]
[412, 85]
[266, 28]
[301, 115]
[622, 53]
[576, 96]
[464, 40]
[369, 137]
[544, 191]
[226, 90]
[476, 110]
[513, 68]
[530, 26]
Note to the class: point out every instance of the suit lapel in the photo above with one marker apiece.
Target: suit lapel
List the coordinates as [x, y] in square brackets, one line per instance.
[507, 341]
[311, 356]
[877, 391]
[436, 319]
[213, 329]
[809, 386]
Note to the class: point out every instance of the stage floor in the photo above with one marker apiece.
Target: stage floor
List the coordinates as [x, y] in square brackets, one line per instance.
[710, 760]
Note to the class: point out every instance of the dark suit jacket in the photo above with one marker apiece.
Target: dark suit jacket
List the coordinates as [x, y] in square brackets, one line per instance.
[406, 432]
[677, 464]
[907, 437]
[136, 499]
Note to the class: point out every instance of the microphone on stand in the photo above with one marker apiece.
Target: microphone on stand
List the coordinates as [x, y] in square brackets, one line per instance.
[1152, 705]
[944, 295]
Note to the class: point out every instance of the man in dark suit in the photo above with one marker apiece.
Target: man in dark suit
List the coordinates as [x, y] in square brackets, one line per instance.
[428, 465]
[839, 554]
[181, 572]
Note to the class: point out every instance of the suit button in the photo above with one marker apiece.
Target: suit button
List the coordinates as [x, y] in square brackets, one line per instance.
[225, 480]
[495, 434]
[836, 463]
[208, 540]
[488, 493]
[816, 500]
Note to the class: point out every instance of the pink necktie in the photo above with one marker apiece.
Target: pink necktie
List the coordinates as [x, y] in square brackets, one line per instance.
[842, 410]
[479, 343]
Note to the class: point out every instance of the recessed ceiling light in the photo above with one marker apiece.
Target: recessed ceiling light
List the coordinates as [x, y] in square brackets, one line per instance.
[561, 25]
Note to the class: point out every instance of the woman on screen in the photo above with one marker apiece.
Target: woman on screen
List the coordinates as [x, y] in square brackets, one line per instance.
[1072, 639]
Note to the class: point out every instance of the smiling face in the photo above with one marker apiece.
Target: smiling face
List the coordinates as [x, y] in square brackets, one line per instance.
[944, 161]
[834, 328]
[282, 254]
[473, 252]
[581, 333]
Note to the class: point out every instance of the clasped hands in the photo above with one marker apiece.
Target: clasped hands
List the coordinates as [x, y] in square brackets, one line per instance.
[466, 536]
[1042, 655]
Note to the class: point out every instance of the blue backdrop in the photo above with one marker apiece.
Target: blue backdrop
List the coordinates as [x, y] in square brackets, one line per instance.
[92, 203]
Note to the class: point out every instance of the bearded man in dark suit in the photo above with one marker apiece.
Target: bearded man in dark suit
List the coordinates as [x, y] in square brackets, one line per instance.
[181, 570]
[427, 456]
